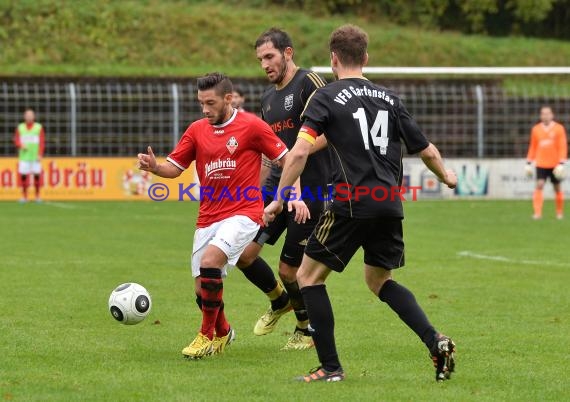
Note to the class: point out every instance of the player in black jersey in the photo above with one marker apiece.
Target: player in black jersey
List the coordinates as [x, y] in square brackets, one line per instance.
[282, 105]
[365, 126]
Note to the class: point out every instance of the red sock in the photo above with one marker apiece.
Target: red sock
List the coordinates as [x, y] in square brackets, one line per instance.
[37, 185]
[559, 203]
[25, 186]
[211, 291]
[222, 325]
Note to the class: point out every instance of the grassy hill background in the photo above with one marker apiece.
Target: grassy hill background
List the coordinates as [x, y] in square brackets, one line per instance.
[188, 38]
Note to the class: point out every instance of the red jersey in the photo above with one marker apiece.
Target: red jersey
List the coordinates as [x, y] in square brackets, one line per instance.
[228, 161]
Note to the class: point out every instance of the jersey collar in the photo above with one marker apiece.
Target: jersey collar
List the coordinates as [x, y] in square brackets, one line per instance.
[228, 121]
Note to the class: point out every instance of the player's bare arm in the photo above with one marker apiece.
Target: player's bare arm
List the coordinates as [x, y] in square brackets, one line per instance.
[321, 143]
[302, 212]
[148, 163]
[295, 162]
[432, 159]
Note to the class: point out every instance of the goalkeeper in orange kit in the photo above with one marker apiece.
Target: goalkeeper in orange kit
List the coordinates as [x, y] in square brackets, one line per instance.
[548, 149]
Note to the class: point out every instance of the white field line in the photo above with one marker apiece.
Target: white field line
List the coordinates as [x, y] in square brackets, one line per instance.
[62, 205]
[500, 258]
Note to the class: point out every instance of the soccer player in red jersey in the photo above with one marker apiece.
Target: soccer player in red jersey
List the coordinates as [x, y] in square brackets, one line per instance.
[548, 149]
[227, 147]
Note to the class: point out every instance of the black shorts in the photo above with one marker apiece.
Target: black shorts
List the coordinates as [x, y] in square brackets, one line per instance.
[543, 174]
[336, 238]
[297, 234]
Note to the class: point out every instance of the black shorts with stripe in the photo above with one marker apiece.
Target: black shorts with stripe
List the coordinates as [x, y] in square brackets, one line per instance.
[297, 233]
[336, 238]
[545, 173]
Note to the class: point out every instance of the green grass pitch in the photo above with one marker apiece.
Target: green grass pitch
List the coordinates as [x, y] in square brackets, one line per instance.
[486, 274]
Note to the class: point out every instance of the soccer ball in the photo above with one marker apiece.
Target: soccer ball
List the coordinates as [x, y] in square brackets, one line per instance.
[129, 303]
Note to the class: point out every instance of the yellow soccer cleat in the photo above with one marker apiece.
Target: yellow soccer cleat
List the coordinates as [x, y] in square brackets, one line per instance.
[201, 346]
[220, 342]
[299, 341]
[267, 322]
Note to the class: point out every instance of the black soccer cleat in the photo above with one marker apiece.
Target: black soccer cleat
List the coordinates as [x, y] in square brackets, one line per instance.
[320, 374]
[443, 357]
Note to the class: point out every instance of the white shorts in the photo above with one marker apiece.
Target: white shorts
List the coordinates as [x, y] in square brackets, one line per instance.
[232, 235]
[27, 167]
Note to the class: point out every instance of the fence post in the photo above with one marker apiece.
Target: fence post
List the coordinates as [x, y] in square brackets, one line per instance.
[175, 114]
[73, 119]
[480, 122]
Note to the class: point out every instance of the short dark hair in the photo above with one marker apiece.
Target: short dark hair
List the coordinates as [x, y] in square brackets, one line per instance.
[238, 90]
[350, 44]
[279, 38]
[218, 81]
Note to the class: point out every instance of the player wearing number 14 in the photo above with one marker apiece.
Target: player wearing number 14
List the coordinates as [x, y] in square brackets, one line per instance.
[366, 127]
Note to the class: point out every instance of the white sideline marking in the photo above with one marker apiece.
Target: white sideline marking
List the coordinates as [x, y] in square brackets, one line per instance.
[477, 256]
[60, 205]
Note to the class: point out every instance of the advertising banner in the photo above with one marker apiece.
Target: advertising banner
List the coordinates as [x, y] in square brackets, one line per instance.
[478, 178]
[92, 179]
[119, 179]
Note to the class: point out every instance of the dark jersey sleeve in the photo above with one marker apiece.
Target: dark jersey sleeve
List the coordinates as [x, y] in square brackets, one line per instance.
[311, 82]
[410, 132]
[316, 113]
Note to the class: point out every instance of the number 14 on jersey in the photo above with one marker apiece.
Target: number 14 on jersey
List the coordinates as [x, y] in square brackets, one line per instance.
[380, 125]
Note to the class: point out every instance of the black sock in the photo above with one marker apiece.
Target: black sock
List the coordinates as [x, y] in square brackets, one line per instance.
[403, 302]
[261, 275]
[280, 302]
[296, 301]
[321, 317]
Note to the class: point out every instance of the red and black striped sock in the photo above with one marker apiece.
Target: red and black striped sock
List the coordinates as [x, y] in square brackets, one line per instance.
[222, 325]
[211, 291]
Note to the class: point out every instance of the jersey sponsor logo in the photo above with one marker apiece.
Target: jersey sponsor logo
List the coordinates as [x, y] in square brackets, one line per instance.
[279, 126]
[219, 165]
[232, 145]
[28, 139]
[289, 102]
[218, 131]
[545, 142]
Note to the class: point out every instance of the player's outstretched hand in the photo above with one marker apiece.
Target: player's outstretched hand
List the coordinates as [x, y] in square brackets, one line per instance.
[450, 179]
[528, 170]
[147, 161]
[302, 212]
[271, 211]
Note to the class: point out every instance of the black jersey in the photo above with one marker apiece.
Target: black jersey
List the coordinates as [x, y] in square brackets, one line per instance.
[281, 109]
[365, 126]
